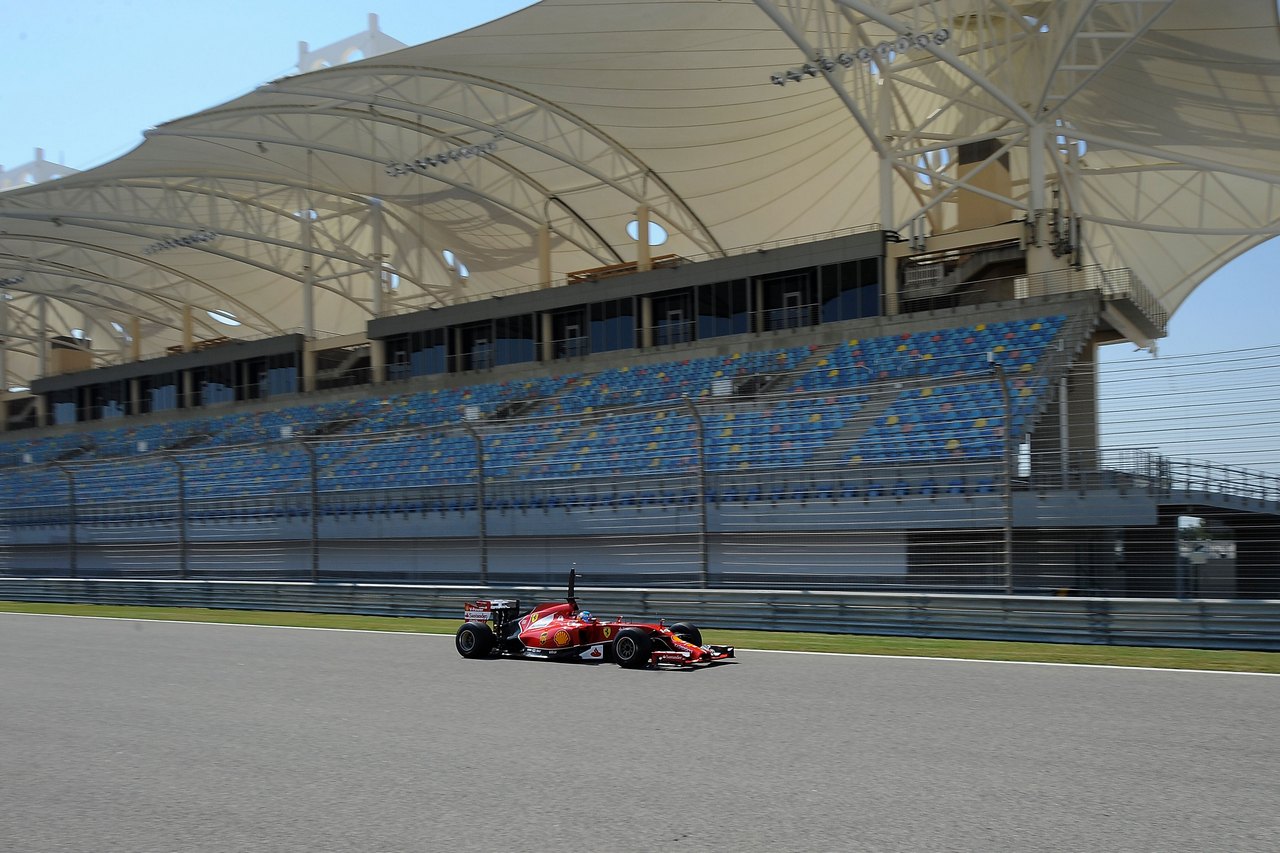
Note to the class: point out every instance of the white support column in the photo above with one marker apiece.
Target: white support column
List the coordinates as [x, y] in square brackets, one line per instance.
[1035, 169]
[643, 261]
[4, 349]
[135, 336]
[188, 329]
[1040, 258]
[42, 337]
[544, 255]
[308, 263]
[308, 277]
[884, 126]
[379, 275]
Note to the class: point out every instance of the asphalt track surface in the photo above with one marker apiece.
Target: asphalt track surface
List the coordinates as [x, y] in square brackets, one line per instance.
[145, 736]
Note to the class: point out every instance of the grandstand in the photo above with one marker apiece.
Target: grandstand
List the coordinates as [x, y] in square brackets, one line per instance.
[909, 404]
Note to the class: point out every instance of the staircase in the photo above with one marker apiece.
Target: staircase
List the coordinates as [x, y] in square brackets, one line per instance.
[837, 447]
[336, 426]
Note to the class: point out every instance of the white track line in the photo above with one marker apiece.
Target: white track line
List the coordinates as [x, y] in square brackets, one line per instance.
[1018, 662]
[859, 655]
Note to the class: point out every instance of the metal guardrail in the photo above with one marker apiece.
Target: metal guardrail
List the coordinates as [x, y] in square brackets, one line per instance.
[1209, 624]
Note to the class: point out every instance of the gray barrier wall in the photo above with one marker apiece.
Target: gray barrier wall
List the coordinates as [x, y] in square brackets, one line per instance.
[1212, 624]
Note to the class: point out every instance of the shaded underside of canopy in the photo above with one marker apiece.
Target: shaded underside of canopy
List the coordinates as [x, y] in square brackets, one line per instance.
[434, 174]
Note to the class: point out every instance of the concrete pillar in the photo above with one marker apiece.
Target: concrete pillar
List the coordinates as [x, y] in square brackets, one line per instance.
[548, 345]
[1150, 563]
[1067, 435]
[1082, 407]
[1257, 540]
[891, 305]
[646, 322]
[308, 367]
[378, 361]
[974, 166]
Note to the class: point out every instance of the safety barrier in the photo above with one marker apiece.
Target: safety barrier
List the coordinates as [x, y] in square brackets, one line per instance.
[1210, 624]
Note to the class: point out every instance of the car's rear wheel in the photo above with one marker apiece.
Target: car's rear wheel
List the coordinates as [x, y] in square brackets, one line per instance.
[687, 632]
[632, 648]
[474, 640]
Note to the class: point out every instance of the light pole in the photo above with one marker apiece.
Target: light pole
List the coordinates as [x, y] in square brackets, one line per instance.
[700, 447]
[71, 520]
[313, 507]
[182, 514]
[1007, 402]
[480, 502]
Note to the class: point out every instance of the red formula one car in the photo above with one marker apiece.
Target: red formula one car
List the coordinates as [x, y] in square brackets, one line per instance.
[561, 631]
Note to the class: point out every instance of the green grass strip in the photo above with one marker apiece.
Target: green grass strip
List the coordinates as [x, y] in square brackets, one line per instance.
[1206, 659]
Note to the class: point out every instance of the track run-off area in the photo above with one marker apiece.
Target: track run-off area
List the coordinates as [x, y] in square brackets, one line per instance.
[123, 735]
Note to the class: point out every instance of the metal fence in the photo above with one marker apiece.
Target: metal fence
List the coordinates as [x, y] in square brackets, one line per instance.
[1109, 621]
[795, 488]
[814, 489]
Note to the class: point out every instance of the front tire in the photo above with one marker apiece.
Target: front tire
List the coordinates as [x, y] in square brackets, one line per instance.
[474, 640]
[632, 648]
[687, 632]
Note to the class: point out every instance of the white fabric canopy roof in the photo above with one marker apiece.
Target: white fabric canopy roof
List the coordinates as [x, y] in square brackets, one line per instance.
[1157, 124]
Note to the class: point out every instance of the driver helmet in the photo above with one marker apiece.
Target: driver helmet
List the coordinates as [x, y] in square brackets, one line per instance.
[585, 616]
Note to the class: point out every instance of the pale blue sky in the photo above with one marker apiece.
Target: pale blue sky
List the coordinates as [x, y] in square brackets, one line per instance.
[83, 78]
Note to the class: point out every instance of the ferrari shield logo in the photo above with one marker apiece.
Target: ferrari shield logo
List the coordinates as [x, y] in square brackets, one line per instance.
[608, 632]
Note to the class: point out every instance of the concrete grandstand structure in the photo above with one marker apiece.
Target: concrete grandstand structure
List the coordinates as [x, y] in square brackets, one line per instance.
[803, 293]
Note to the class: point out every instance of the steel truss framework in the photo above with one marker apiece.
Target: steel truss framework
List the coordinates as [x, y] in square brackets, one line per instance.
[1133, 134]
[1015, 73]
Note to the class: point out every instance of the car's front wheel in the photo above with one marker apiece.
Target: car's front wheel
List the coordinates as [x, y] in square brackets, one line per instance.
[474, 640]
[687, 632]
[632, 648]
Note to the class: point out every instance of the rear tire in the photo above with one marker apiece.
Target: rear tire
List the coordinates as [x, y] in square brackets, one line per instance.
[474, 640]
[632, 648]
[687, 632]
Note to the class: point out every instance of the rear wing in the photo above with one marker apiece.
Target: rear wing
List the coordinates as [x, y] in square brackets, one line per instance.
[485, 609]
